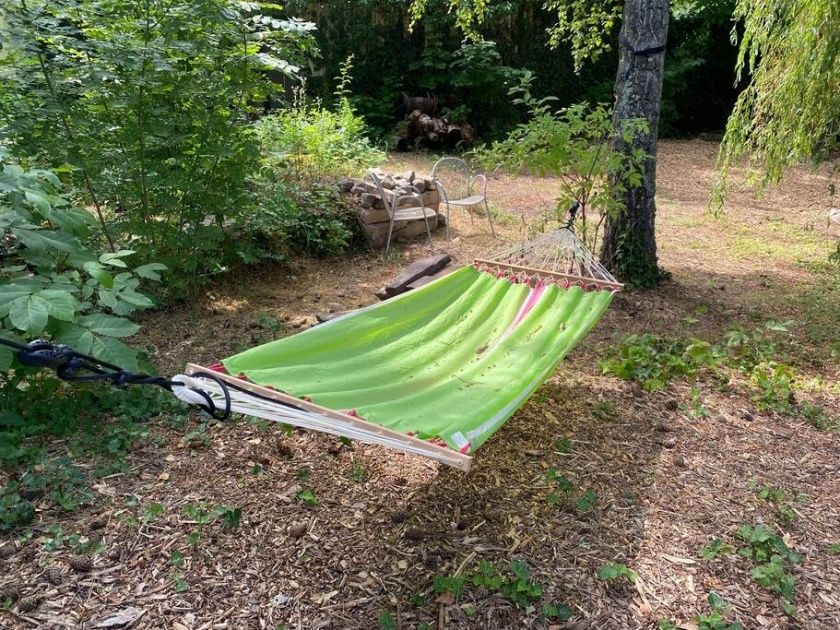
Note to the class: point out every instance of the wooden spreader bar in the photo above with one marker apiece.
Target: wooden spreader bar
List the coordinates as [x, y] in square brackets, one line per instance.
[375, 434]
[615, 286]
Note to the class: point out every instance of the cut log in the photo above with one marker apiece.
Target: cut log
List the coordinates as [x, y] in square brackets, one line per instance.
[417, 269]
[427, 279]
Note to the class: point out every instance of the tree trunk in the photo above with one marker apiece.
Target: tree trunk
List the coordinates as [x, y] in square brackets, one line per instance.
[629, 247]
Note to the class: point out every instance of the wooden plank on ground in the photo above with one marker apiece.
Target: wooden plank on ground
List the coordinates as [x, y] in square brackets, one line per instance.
[427, 279]
[417, 269]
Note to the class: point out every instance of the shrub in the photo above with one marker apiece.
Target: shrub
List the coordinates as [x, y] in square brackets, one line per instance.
[150, 106]
[317, 222]
[308, 142]
[56, 283]
[575, 145]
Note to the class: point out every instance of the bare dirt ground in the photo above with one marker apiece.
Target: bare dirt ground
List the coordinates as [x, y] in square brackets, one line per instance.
[386, 525]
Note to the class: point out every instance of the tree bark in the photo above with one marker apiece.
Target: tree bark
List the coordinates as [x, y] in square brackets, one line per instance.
[629, 246]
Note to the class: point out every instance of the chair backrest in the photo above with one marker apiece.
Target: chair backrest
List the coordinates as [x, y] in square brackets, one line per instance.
[454, 174]
[388, 207]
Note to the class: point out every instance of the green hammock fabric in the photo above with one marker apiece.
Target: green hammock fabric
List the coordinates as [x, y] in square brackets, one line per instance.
[452, 360]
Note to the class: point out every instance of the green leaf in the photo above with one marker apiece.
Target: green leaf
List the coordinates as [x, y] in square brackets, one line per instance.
[47, 239]
[150, 271]
[137, 299]
[102, 275]
[114, 351]
[6, 357]
[11, 292]
[113, 258]
[60, 304]
[109, 325]
[40, 202]
[29, 314]
[78, 338]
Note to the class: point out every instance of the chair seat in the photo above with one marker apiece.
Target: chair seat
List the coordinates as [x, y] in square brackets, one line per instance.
[414, 212]
[472, 200]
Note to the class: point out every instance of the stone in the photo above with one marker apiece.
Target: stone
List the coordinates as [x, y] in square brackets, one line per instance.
[417, 269]
[370, 216]
[346, 185]
[369, 200]
[419, 186]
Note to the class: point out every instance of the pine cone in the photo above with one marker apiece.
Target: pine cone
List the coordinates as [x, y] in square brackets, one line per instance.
[7, 551]
[80, 563]
[114, 554]
[30, 603]
[9, 591]
[54, 576]
[97, 523]
[296, 530]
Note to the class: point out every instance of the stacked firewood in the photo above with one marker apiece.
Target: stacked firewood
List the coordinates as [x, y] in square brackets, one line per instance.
[371, 206]
[427, 128]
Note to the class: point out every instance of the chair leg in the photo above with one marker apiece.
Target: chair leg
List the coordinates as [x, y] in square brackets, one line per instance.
[388, 242]
[428, 231]
[447, 220]
[489, 217]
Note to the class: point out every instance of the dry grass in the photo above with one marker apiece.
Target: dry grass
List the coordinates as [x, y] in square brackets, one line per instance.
[387, 524]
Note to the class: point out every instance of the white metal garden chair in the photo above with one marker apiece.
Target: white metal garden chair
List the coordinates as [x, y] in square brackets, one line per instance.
[404, 213]
[459, 187]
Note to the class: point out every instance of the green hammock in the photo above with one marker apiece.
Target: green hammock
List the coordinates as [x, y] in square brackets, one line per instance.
[442, 367]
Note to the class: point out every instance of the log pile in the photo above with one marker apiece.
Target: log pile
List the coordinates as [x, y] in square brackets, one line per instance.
[371, 210]
[434, 132]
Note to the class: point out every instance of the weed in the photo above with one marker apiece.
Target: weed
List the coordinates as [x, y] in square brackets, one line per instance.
[386, 621]
[453, 586]
[616, 572]
[772, 559]
[834, 548]
[303, 474]
[204, 514]
[586, 502]
[152, 513]
[179, 583]
[604, 410]
[695, 405]
[776, 496]
[563, 445]
[307, 497]
[417, 600]
[562, 612]
[653, 361]
[197, 438]
[176, 559]
[520, 587]
[667, 624]
[715, 549]
[716, 620]
[359, 472]
[270, 324]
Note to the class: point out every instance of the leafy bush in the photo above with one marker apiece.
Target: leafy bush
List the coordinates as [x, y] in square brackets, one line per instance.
[307, 142]
[56, 283]
[149, 105]
[317, 222]
[574, 145]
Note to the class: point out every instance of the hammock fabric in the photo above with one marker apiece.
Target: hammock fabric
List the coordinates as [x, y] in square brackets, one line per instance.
[437, 370]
